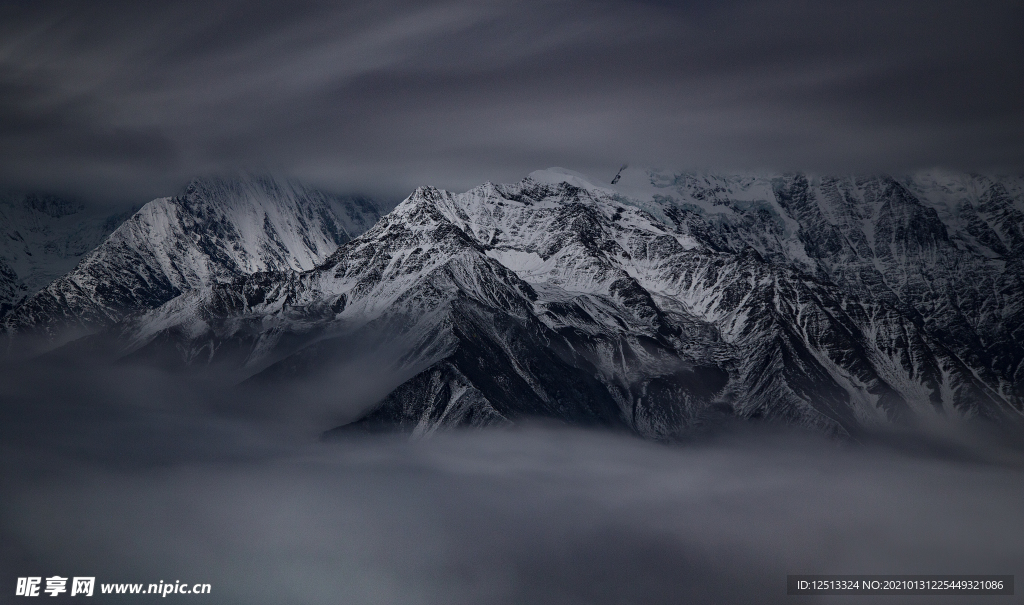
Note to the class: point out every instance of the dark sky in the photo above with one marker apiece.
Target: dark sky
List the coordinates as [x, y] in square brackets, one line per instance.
[130, 100]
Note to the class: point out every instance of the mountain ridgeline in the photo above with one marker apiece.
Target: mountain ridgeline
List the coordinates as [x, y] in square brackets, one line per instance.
[659, 303]
[217, 230]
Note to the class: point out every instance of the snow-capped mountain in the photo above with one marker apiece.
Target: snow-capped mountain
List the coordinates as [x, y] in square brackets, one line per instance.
[43, 237]
[656, 303]
[943, 249]
[217, 230]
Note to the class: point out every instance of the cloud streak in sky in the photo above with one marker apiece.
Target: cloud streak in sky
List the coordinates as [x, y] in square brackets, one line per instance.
[123, 98]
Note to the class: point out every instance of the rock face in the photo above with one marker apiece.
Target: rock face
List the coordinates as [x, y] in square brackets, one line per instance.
[43, 237]
[216, 231]
[11, 288]
[657, 304]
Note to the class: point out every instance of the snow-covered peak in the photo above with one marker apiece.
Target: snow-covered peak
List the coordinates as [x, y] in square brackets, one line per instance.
[217, 230]
[817, 299]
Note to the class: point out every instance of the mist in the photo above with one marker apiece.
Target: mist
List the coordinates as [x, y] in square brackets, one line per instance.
[132, 474]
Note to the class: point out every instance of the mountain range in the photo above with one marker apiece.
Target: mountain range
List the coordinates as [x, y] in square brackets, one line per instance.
[657, 302]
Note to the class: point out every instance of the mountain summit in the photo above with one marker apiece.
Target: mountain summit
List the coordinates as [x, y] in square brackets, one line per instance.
[660, 303]
[217, 230]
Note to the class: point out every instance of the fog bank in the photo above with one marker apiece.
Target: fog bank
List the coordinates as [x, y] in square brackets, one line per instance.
[147, 478]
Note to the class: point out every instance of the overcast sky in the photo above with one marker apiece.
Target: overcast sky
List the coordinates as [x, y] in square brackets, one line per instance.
[130, 100]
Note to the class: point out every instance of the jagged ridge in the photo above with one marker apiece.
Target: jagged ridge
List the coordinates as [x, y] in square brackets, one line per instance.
[216, 231]
[660, 303]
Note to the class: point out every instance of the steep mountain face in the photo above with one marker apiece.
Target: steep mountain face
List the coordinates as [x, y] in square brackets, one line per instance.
[942, 249]
[43, 237]
[11, 287]
[659, 303]
[216, 231]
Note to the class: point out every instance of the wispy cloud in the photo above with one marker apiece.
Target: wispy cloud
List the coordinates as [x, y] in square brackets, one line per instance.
[139, 98]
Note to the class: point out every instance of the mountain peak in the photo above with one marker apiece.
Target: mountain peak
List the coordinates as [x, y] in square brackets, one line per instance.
[659, 301]
[217, 230]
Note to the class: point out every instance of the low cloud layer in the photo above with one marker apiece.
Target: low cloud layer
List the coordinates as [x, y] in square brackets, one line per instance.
[131, 100]
[132, 475]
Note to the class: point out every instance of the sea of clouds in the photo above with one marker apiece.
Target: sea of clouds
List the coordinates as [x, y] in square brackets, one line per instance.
[130, 474]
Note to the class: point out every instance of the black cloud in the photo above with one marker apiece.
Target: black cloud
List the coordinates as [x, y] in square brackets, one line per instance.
[130, 99]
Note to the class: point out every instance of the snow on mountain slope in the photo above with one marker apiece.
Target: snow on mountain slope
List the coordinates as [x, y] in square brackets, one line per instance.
[943, 248]
[662, 259]
[216, 231]
[657, 303]
[415, 284]
[44, 237]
